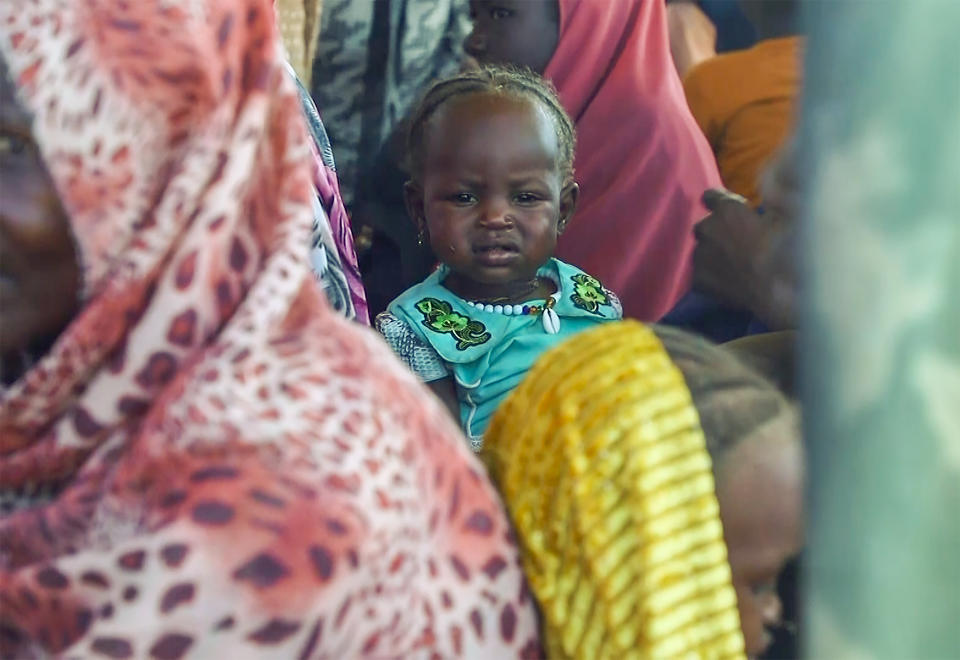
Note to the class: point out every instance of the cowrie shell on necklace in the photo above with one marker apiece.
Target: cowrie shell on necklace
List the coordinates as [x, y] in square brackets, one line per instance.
[551, 322]
[549, 318]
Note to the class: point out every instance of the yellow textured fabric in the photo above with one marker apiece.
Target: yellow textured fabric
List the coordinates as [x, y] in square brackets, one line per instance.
[299, 26]
[603, 466]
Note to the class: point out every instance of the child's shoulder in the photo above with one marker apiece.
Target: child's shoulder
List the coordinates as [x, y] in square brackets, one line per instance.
[570, 273]
[442, 320]
[430, 286]
[587, 292]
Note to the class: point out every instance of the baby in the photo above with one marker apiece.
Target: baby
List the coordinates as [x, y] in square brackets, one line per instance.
[491, 160]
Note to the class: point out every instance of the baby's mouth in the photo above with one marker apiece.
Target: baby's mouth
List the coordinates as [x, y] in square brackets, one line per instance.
[495, 254]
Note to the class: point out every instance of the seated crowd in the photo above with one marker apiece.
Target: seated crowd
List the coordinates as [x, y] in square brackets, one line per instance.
[538, 453]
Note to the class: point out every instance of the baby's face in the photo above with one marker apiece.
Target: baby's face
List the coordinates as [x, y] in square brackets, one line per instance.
[760, 491]
[491, 190]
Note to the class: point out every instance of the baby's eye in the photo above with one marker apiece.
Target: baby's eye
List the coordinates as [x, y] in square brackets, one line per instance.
[498, 13]
[527, 198]
[462, 198]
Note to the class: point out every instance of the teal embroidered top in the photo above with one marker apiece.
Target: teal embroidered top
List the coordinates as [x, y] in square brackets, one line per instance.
[438, 334]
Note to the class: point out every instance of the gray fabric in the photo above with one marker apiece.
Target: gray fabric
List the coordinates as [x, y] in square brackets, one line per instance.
[326, 264]
[421, 358]
[325, 257]
[317, 130]
[373, 59]
[614, 301]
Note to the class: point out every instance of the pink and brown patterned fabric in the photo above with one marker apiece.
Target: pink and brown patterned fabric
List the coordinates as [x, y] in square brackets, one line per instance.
[232, 470]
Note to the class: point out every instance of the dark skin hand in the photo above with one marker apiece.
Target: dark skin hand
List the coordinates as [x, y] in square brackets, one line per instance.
[727, 241]
[39, 270]
[744, 259]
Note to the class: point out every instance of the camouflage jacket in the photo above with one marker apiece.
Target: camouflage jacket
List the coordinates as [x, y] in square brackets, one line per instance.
[373, 59]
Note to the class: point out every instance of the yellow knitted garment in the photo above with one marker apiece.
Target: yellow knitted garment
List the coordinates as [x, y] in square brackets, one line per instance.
[299, 22]
[602, 462]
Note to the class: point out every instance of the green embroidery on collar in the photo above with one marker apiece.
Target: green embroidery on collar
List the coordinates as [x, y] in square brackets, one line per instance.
[588, 294]
[439, 316]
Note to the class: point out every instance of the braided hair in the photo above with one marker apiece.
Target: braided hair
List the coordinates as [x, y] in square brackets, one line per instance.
[732, 400]
[491, 79]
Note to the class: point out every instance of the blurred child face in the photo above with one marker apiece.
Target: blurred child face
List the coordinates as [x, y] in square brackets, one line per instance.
[490, 194]
[39, 274]
[520, 32]
[760, 491]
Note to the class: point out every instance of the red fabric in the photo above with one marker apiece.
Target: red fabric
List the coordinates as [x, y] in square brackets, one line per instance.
[642, 162]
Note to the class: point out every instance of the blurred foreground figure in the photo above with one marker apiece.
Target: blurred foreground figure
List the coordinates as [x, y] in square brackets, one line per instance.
[656, 486]
[200, 458]
[882, 323]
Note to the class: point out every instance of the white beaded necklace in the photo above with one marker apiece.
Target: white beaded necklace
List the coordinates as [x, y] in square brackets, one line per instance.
[548, 316]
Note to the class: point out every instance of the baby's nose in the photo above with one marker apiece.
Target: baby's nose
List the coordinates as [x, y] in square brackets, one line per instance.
[475, 44]
[495, 215]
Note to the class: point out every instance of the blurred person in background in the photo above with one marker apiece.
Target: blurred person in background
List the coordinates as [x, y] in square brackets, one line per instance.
[699, 29]
[745, 276]
[745, 101]
[656, 484]
[642, 162]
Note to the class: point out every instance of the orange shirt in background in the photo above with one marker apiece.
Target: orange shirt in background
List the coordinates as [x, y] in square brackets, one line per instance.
[744, 102]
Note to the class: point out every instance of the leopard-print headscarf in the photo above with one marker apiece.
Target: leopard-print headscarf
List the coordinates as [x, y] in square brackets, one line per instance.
[230, 469]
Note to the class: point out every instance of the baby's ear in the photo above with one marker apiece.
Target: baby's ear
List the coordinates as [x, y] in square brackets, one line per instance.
[413, 200]
[569, 196]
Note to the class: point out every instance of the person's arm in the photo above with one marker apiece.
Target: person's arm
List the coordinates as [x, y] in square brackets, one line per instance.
[422, 359]
[693, 37]
[743, 259]
[446, 390]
